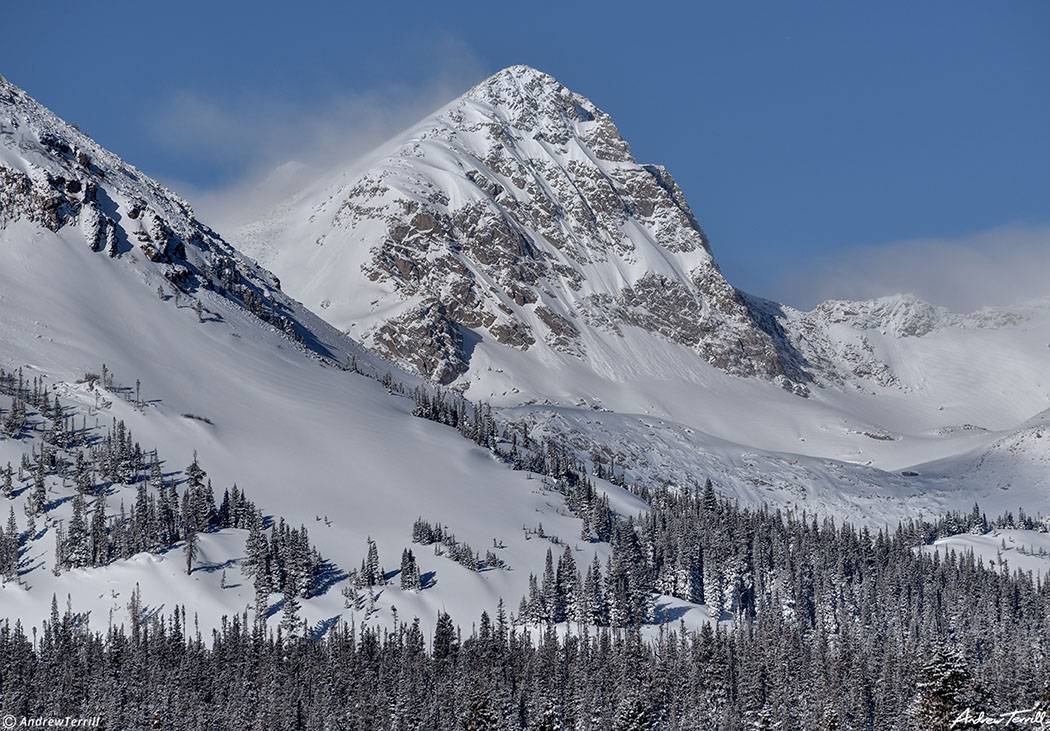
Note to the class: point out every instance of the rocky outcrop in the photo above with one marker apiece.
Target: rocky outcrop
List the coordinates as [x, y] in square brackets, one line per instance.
[426, 338]
[48, 200]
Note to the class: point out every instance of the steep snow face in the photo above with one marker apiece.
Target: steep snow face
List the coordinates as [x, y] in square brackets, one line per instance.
[516, 218]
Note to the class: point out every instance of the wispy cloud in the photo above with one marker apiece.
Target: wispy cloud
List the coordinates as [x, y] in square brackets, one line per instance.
[271, 146]
[999, 266]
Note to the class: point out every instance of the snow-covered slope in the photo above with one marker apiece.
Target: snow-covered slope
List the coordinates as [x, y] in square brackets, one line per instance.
[249, 380]
[101, 265]
[1003, 550]
[511, 247]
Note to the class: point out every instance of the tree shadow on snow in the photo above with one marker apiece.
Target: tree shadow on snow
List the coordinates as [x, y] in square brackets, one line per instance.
[328, 574]
[428, 580]
[665, 613]
[212, 568]
[51, 505]
[322, 627]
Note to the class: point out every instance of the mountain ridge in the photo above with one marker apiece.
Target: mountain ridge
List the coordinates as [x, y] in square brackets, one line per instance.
[206, 361]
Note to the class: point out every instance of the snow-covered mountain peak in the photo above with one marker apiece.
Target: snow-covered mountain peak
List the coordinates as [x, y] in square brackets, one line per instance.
[515, 219]
[503, 246]
[519, 87]
[531, 101]
[900, 315]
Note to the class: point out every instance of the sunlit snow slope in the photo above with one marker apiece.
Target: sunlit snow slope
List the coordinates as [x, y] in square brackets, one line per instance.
[272, 410]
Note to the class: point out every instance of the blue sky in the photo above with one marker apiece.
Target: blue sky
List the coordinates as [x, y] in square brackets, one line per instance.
[829, 149]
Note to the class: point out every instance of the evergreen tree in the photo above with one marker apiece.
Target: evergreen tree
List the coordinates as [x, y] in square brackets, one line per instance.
[290, 614]
[594, 604]
[9, 548]
[61, 552]
[634, 715]
[410, 578]
[190, 549]
[78, 549]
[371, 571]
[567, 587]
[549, 590]
[478, 714]
[445, 643]
[7, 488]
[38, 495]
[82, 474]
[98, 534]
[256, 549]
[945, 689]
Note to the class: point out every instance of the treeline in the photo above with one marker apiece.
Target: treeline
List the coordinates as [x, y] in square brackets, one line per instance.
[693, 546]
[833, 588]
[834, 627]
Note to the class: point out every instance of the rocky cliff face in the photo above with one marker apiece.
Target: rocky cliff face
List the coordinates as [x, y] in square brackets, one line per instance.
[55, 176]
[517, 215]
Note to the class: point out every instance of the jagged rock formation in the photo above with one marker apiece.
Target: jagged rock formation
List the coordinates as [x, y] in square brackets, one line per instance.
[518, 213]
[53, 175]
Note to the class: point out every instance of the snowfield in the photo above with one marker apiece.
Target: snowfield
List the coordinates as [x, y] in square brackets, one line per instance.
[1003, 550]
[303, 439]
